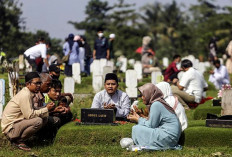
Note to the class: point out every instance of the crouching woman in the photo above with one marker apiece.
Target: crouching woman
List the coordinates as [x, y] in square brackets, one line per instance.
[162, 129]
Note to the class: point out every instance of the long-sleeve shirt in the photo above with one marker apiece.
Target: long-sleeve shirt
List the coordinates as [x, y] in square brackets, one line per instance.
[19, 108]
[120, 99]
[170, 70]
[74, 55]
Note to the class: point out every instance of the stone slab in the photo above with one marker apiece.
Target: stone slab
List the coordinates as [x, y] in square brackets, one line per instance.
[131, 79]
[132, 92]
[156, 77]
[97, 83]
[69, 85]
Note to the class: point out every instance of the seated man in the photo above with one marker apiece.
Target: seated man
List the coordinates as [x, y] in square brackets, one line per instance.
[219, 75]
[172, 69]
[112, 98]
[191, 86]
[20, 121]
[62, 109]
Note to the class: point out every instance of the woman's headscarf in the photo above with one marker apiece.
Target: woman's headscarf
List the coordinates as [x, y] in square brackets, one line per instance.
[152, 94]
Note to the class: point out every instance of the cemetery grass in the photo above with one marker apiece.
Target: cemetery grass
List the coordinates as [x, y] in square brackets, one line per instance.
[81, 140]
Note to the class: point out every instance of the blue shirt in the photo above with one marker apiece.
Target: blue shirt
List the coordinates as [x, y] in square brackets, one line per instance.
[74, 55]
[101, 46]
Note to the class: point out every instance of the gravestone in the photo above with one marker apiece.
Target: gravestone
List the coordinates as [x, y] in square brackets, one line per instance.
[27, 65]
[131, 62]
[69, 85]
[2, 96]
[207, 64]
[139, 70]
[76, 72]
[106, 70]
[165, 62]
[226, 102]
[95, 67]
[103, 62]
[124, 64]
[196, 64]
[156, 77]
[201, 67]
[111, 64]
[21, 62]
[131, 83]
[221, 61]
[97, 83]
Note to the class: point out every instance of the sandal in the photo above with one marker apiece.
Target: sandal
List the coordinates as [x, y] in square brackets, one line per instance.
[22, 146]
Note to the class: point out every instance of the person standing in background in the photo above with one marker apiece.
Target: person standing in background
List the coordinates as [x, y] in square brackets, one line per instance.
[88, 55]
[71, 48]
[101, 47]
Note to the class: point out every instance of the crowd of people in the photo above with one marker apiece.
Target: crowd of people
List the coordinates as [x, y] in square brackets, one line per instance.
[40, 108]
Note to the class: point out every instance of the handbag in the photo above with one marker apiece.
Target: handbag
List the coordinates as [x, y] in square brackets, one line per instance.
[66, 58]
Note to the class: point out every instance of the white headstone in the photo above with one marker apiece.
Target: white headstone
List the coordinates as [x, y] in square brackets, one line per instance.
[131, 83]
[124, 64]
[207, 64]
[103, 62]
[156, 77]
[131, 62]
[139, 70]
[165, 62]
[226, 102]
[111, 64]
[69, 85]
[2, 96]
[95, 67]
[201, 67]
[97, 83]
[21, 62]
[28, 67]
[131, 79]
[106, 70]
[76, 71]
[221, 61]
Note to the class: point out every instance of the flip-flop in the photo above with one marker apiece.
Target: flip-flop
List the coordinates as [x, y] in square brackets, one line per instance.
[22, 146]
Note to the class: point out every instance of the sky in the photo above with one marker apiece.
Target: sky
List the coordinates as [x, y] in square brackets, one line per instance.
[52, 16]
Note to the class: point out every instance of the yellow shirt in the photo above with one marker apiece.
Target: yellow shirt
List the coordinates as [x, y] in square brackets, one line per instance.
[19, 108]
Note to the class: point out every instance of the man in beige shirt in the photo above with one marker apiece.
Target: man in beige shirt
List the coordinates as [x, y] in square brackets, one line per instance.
[19, 120]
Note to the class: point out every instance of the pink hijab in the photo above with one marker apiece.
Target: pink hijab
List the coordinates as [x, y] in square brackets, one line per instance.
[152, 94]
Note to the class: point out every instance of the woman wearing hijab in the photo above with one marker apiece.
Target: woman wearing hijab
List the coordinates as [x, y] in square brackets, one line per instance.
[174, 103]
[161, 130]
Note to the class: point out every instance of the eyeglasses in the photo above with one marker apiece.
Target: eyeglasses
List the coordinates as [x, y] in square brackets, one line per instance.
[37, 83]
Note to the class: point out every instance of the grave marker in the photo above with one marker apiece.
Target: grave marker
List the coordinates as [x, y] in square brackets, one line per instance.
[76, 72]
[165, 62]
[69, 85]
[226, 102]
[124, 64]
[156, 77]
[97, 83]
[21, 62]
[139, 70]
[106, 70]
[131, 83]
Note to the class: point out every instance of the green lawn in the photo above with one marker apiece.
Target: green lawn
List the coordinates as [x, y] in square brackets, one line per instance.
[96, 140]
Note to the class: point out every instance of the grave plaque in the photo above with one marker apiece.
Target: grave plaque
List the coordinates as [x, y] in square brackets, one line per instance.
[69, 85]
[21, 62]
[93, 115]
[124, 64]
[103, 62]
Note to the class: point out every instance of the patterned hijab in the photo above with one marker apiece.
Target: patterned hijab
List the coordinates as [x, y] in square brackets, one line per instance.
[152, 94]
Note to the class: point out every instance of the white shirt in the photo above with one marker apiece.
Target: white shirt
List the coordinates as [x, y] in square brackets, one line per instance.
[194, 83]
[36, 51]
[120, 99]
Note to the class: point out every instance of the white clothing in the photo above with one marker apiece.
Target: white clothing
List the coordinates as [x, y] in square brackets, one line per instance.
[219, 77]
[82, 58]
[174, 103]
[120, 99]
[194, 83]
[37, 51]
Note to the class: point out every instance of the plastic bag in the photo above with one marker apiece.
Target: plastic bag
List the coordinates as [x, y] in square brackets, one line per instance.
[126, 142]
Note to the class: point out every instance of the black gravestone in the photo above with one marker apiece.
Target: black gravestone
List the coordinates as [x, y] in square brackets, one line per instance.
[97, 116]
[217, 102]
[221, 122]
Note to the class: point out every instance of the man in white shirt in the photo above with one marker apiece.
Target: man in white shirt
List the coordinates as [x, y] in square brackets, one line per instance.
[36, 52]
[191, 86]
[219, 75]
[112, 98]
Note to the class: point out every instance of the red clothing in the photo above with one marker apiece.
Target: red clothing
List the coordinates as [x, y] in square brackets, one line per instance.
[170, 70]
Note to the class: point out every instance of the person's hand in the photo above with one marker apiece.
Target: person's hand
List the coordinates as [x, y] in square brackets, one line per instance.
[51, 106]
[94, 57]
[174, 81]
[133, 117]
[211, 72]
[59, 109]
[111, 106]
[138, 111]
[107, 57]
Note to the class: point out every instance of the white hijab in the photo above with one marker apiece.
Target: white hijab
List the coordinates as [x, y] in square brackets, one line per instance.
[174, 103]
